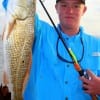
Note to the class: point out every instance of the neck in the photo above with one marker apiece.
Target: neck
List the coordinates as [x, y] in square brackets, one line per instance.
[70, 31]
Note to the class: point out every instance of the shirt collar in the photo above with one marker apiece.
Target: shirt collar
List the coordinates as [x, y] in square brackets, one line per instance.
[71, 38]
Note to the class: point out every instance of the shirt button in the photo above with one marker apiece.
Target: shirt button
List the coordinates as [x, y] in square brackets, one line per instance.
[66, 82]
[66, 98]
[67, 38]
[68, 65]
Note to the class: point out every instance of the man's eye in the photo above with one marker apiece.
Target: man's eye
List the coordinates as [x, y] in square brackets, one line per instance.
[76, 6]
[63, 5]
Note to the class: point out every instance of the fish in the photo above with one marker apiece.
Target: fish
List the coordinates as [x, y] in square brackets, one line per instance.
[18, 39]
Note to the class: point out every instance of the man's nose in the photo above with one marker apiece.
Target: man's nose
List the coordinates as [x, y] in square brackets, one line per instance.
[70, 9]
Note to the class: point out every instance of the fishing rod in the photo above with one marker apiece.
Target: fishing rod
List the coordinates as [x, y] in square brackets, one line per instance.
[60, 35]
[70, 52]
[81, 71]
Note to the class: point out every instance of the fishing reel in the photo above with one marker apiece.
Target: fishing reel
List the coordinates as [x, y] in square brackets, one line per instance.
[83, 73]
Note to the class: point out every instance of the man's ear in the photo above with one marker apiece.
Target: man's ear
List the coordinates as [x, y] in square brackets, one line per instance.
[56, 8]
[85, 9]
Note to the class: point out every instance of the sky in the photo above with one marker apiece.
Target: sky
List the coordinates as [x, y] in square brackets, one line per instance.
[91, 19]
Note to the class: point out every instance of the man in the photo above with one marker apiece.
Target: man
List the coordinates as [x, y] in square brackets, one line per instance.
[53, 75]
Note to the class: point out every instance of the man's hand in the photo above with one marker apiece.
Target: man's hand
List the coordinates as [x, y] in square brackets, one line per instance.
[92, 86]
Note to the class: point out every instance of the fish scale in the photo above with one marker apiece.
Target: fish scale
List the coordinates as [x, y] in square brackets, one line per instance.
[19, 46]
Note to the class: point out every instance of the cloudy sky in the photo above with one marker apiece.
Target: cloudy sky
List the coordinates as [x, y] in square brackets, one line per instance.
[91, 20]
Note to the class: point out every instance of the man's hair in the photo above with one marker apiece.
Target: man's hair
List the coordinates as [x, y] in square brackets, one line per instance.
[83, 1]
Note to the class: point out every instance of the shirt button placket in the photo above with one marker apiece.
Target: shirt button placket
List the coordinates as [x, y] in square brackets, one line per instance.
[66, 81]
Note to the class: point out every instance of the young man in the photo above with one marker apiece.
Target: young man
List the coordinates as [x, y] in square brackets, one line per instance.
[53, 75]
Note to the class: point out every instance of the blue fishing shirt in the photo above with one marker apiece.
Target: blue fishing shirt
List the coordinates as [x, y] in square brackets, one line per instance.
[50, 77]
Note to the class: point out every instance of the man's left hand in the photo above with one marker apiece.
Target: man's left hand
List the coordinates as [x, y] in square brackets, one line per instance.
[91, 86]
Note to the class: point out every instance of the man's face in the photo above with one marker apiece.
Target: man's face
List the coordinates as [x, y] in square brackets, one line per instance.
[70, 12]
